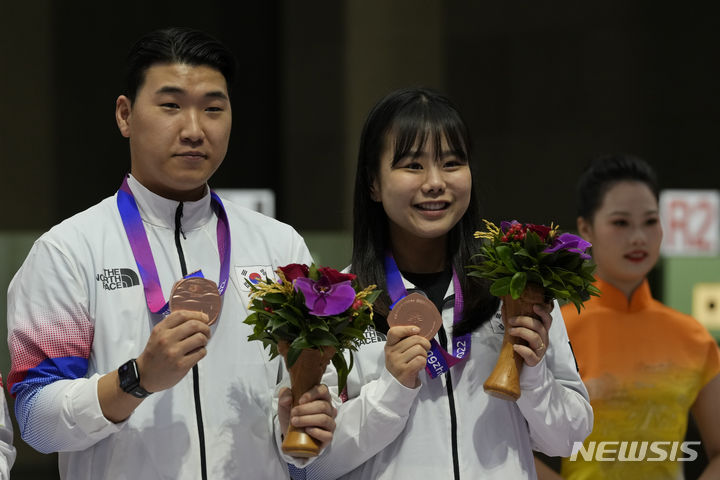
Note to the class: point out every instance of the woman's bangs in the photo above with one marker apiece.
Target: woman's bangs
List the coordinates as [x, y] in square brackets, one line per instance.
[412, 129]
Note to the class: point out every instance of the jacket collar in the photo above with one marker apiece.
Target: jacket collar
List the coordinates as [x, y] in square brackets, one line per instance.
[449, 294]
[160, 211]
[613, 298]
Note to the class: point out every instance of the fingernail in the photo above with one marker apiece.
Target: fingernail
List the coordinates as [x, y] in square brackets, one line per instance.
[415, 329]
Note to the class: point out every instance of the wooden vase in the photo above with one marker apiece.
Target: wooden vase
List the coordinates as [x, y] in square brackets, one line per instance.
[306, 372]
[504, 381]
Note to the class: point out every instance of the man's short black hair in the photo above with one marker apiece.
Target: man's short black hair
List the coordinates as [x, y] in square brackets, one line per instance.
[176, 45]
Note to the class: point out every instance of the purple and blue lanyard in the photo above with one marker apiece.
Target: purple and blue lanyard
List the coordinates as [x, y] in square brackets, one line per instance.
[439, 360]
[135, 231]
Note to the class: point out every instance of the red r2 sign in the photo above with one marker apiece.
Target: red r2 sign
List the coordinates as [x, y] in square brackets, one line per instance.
[691, 222]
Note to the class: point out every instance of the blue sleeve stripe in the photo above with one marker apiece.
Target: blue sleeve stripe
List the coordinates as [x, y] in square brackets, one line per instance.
[47, 372]
[53, 369]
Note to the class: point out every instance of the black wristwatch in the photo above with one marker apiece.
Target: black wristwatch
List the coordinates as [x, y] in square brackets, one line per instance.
[130, 379]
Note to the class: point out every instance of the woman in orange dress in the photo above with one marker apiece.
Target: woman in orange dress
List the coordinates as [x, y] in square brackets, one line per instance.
[645, 365]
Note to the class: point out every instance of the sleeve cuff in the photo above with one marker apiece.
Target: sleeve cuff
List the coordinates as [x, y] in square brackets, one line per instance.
[392, 396]
[532, 378]
[84, 408]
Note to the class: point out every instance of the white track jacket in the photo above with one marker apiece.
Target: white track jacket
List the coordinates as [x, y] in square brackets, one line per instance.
[77, 310]
[388, 431]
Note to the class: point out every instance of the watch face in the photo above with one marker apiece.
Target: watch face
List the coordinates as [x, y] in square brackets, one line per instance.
[128, 376]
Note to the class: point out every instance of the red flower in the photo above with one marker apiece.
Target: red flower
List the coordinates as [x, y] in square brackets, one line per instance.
[294, 270]
[334, 276]
[357, 304]
[541, 230]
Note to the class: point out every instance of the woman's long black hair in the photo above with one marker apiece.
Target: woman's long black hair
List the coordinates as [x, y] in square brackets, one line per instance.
[414, 116]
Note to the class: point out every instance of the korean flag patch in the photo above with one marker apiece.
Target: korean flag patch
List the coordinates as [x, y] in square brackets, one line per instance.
[253, 274]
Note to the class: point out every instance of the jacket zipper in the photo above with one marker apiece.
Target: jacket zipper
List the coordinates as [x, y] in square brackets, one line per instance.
[196, 374]
[453, 415]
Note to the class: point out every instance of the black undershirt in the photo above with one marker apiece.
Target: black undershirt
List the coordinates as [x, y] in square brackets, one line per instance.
[434, 285]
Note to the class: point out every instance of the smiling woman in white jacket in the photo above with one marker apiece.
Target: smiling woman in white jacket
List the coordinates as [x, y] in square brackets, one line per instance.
[415, 211]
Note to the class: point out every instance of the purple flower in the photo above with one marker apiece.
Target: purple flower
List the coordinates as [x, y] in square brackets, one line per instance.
[505, 226]
[324, 298]
[571, 243]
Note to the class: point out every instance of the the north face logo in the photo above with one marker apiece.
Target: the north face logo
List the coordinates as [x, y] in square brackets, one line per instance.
[373, 336]
[114, 278]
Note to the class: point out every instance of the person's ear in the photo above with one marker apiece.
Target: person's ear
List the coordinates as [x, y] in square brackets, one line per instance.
[584, 228]
[123, 112]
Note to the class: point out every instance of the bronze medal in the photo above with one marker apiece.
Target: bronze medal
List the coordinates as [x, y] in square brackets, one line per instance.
[196, 294]
[416, 309]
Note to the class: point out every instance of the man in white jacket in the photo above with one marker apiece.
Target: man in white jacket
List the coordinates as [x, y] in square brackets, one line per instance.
[103, 371]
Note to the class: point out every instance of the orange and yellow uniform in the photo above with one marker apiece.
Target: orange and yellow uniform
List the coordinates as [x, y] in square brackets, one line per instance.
[643, 364]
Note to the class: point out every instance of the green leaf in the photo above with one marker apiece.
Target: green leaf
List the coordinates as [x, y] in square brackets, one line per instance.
[342, 369]
[533, 243]
[593, 290]
[289, 316]
[500, 287]
[252, 319]
[354, 332]
[533, 276]
[372, 296]
[340, 326]
[559, 293]
[275, 298]
[319, 326]
[517, 284]
[505, 254]
[524, 253]
[313, 273]
[300, 343]
[321, 338]
[295, 310]
[292, 355]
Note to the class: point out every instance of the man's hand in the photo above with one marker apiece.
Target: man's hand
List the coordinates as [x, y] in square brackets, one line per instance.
[314, 412]
[406, 354]
[175, 345]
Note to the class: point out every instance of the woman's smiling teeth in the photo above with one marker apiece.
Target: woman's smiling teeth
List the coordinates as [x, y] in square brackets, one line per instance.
[636, 255]
[432, 205]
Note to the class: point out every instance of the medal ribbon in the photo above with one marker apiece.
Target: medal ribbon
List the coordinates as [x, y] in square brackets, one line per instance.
[439, 360]
[135, 231]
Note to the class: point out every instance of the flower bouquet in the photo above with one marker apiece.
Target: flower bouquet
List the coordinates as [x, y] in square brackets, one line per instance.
[310, 316]
[529, 264]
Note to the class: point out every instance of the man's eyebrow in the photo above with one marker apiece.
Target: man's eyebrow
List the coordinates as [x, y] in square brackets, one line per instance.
[177, 90]
[169, 89]
[217, 94]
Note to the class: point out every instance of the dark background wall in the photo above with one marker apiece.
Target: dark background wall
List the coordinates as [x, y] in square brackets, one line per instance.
[544, 87]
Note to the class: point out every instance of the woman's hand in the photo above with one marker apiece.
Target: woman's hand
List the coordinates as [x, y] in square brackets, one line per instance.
[314, 412]
[534, 332]
[406, 354]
